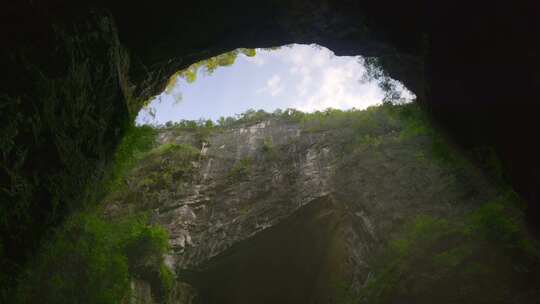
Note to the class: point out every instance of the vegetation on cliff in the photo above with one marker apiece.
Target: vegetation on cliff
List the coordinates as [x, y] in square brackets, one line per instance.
[57, 137]
[473, 259]
[92, 258]
[101, 248]
[209, 66]
[471, 253]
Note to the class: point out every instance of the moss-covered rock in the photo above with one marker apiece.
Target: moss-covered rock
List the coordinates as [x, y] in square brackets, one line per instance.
[368, 206]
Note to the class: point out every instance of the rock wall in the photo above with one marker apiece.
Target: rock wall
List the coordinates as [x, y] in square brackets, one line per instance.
[285, 212]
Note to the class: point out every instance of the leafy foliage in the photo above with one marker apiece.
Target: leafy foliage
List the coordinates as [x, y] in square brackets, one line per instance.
[134, 145]
[91, 260]
[247, 118]
[375, 72]
[488, 248]
[57, 138]
[267, 146]
[418, 124]
[240, 170]
[209, 66]
[366, 127]
[166, 168]
[96, 256]
[502, 221]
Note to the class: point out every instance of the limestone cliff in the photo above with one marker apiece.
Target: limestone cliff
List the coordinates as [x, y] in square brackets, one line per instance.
[357, 207]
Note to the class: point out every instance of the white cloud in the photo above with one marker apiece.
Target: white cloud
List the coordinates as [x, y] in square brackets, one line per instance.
[321, 56]
[336, 85]
[273, 86]
[323, 80]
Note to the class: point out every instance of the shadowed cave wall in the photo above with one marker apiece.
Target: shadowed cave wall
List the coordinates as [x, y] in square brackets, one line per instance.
[474, 67]
[307, 247]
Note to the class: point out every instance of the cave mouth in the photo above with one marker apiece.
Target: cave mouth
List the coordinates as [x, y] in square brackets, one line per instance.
[303, 258]
[303, 77]
[300, 260]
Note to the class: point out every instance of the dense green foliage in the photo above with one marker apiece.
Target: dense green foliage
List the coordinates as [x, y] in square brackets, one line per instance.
[375, 71]
[57, 138]
[366, 127]
[209, 66]
[241, 170]
[165, 166]
[92, 257]
[486, 250]
[91, 260]
[134, 145]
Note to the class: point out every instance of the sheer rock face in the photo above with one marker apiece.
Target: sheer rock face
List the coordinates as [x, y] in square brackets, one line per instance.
[280, 213]
[226, 206]
[376, 186]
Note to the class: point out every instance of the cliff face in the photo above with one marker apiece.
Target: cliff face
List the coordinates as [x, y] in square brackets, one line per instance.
[368, 206]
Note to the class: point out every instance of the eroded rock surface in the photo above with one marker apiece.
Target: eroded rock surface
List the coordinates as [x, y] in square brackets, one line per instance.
[283, 212]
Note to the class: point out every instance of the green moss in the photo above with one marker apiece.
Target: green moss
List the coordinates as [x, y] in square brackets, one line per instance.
[96, 258]
[435, 257]
[502, 222]
[134, 145]
[176, 150]
[370, 141]
[270, 151]
[244, 210]
[423, 229]
[169, 167]
[268, 145]
[145, 249]
[166, 283]
[399, 259]
[453, 257]
[58, 137]
[241, 170]
[416, 123]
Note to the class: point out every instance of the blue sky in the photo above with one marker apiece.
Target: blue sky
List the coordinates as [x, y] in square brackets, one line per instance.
[304, 77]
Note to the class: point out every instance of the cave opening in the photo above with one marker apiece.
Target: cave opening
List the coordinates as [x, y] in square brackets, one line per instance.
[303, 258]
[302, 77]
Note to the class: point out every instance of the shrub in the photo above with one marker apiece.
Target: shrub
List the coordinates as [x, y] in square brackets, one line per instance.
[91, 260]
[134, 145]
[161, 168]
[240, 170]
[489, 246]
[502, 222]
